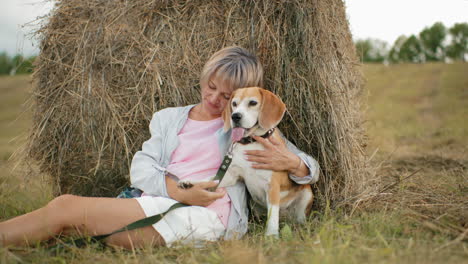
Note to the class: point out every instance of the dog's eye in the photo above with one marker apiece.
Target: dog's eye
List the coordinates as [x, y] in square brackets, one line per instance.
[234, 104]
[252, 103]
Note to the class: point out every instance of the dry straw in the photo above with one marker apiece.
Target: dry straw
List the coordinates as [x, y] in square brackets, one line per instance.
[106, 66]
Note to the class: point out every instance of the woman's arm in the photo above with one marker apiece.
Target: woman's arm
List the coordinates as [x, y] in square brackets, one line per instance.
[196, 195]
[146, 172]
[313, 168]
[302, 168]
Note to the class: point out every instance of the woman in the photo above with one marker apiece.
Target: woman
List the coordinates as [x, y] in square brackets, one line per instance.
[189, 142]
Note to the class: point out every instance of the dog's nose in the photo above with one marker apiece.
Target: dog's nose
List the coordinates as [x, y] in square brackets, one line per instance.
[236, 117]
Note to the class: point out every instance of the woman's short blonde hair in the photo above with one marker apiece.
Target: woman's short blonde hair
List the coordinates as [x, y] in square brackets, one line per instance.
[236, 66]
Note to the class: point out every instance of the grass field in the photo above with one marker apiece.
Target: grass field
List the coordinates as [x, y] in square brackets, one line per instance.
[418, 138]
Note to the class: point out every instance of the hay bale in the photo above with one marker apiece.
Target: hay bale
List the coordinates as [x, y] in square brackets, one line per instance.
[106, 66]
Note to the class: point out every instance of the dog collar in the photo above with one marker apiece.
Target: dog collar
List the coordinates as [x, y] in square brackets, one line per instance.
[248, 140]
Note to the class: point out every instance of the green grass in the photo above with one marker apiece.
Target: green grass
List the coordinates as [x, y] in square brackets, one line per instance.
[19, 191]
[14, 117]
[378, 237]
[413, 108]
[416, 120]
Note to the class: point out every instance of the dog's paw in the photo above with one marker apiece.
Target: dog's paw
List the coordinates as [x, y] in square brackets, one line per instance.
[184, 184]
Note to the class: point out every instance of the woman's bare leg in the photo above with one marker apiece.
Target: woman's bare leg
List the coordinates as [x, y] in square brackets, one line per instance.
[87, 215]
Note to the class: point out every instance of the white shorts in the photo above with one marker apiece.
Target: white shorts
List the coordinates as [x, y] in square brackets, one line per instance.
[188, 225]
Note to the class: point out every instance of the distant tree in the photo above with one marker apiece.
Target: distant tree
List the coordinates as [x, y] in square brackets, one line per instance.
[16, 61]
[362, 48]
[28, 65]
[5, 64]
[16, 65]
[432, 40]
[22, 65]
[412, 51]
[371, 50]
[394, 54]
[458, 48]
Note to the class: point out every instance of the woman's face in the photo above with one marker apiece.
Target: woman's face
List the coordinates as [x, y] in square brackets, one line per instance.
[215, 95]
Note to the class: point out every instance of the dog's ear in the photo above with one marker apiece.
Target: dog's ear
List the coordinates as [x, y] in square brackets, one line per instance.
[227, 112]
[272, 110]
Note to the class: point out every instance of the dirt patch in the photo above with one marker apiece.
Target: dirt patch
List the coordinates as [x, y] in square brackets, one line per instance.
[429, 162]
[431, 189]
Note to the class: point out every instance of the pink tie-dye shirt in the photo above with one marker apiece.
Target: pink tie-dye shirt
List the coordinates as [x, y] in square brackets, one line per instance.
[197, 157]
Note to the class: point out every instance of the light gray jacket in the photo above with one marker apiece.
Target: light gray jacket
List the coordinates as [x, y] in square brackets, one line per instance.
[147, 171]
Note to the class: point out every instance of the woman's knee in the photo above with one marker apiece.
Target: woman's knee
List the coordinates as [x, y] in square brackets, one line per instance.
[60, 208]
[62, 202]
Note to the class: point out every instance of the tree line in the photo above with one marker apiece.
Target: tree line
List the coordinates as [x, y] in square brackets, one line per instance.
[434, 43]
[18, 64]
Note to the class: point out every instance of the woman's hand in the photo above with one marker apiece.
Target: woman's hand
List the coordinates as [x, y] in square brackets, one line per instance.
[199, 195]
[196, 195]
[276, 157]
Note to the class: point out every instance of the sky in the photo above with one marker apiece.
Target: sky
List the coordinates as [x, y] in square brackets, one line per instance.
[378, 19]
[17, 24]
[389, 19]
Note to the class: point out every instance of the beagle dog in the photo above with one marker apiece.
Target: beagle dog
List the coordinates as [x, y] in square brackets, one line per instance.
[256, 111]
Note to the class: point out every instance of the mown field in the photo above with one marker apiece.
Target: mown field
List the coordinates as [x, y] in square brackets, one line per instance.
[416, 118]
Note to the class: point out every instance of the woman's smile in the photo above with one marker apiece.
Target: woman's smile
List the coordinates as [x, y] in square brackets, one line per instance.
[213, 106]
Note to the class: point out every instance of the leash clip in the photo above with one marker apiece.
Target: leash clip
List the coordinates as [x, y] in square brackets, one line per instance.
[229, 152]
